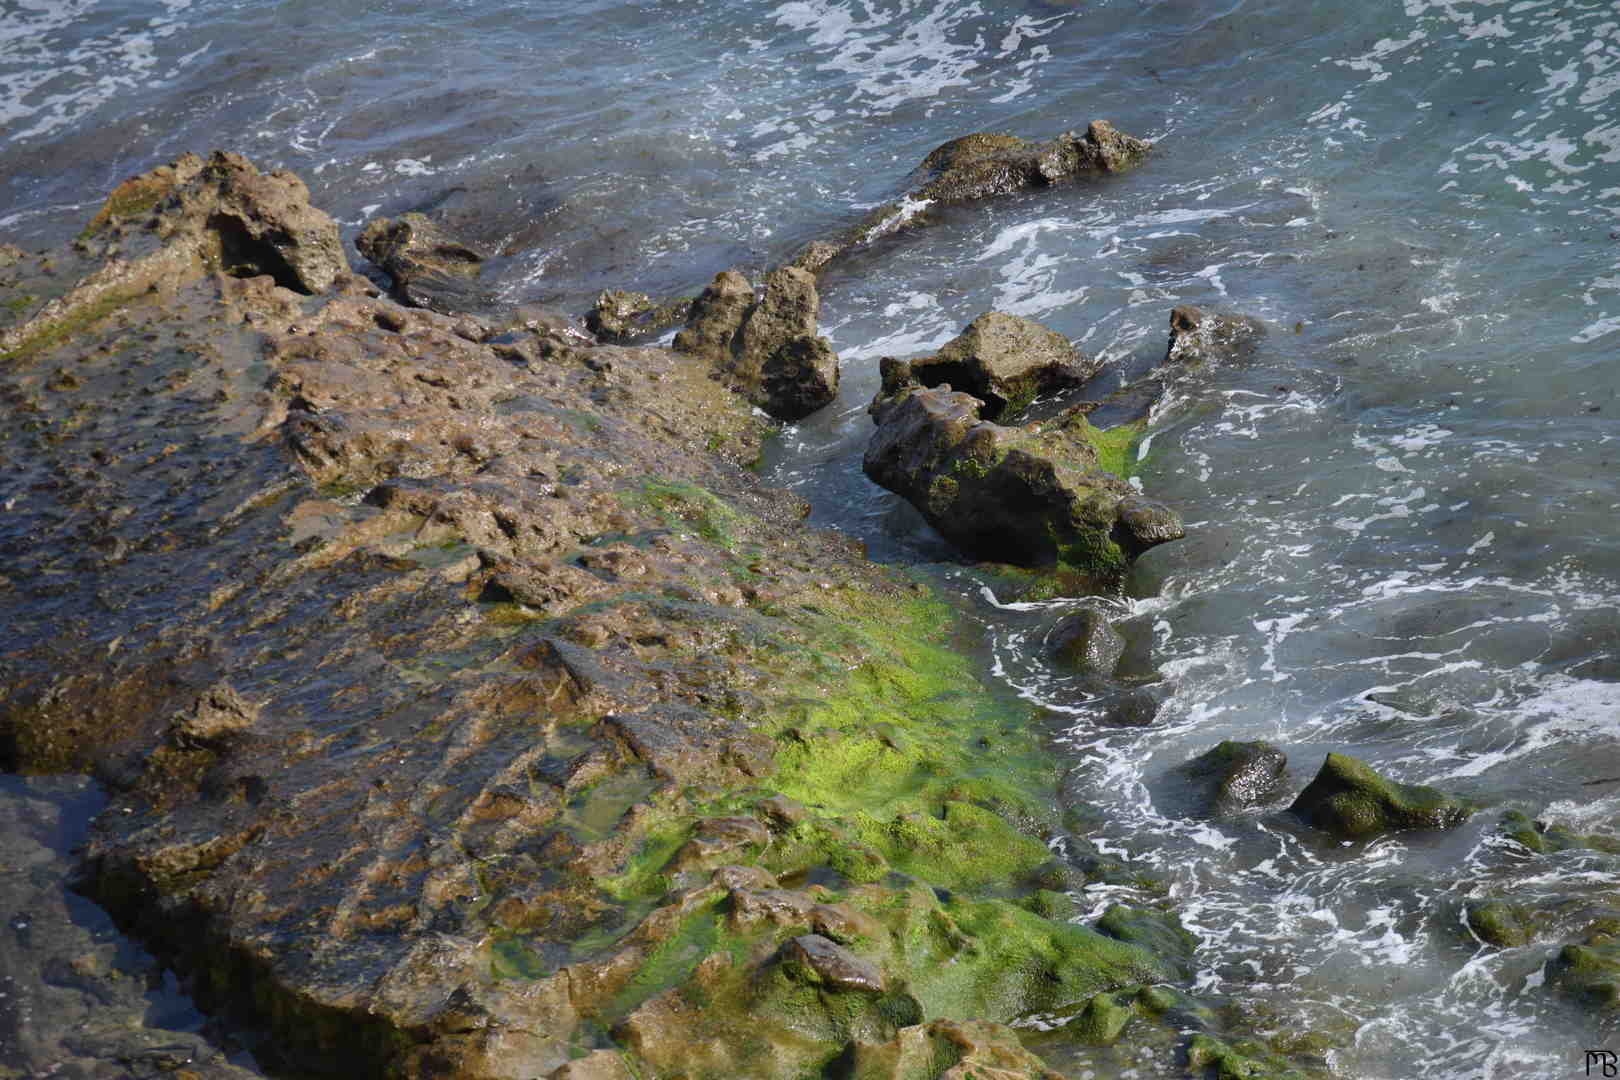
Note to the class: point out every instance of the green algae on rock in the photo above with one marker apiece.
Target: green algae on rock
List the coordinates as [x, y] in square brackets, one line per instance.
[1351, 801]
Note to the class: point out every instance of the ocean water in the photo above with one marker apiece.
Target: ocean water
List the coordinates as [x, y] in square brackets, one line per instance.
[1402, 509]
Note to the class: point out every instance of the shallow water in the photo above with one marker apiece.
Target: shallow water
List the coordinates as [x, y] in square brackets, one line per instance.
[1402, 543]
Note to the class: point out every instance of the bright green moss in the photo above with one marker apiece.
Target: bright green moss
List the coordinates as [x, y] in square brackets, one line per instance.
[689, 508]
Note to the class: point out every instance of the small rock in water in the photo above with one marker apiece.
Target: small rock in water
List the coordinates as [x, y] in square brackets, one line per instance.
[1088, 642]
[1235, 776]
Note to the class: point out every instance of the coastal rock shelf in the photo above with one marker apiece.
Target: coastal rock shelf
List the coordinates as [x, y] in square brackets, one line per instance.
[468, 709]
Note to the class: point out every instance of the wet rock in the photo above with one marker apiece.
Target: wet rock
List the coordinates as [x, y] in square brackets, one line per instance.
[715, 840]
[1087, 642]
[974, 1049]
[1500, 923]
[1235, 776]
[218, 714]
[824, 962]
[1202, 337]
[1158, 931]
[1545, 838]
[1135, 707]
[1031, 496]
[1351, 801]
[596, 1065]
[980, 166]
[429, 268]
[622, 316]
[768, 351]
[1589, 972]
[1005, 361]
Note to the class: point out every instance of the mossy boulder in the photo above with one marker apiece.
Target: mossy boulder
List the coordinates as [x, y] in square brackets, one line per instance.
[1500, 923]
[1087, 642]
[1351, 801]
[1031, 496]
[1589, 972]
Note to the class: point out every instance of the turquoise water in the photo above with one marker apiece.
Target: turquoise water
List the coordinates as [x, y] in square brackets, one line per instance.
[1402, 508]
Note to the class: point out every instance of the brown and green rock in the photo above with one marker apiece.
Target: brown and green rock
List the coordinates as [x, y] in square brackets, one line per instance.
[1351, 801]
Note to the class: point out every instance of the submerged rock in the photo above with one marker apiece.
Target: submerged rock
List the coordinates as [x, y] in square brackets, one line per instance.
[1201, 337]
[1003, 360]
[1351, 801]
[769, 352]
[979, 166]
[1032, 496]
[429, 268]
[1235, 776]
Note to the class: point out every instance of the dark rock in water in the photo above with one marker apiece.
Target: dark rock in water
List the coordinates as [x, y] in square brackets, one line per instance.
[1235, 776]
[769, 352]
[979, 166]
[1137, 707]
[1032, 496]
[430, 269]
[1088, 642]
[1003, 360]
[1351, 801]
[826, 963]
[620, 316]
[1199, 337]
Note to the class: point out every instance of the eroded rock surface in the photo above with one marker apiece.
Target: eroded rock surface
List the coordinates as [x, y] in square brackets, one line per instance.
[429, 268]
[1005, 361]
[768, 351]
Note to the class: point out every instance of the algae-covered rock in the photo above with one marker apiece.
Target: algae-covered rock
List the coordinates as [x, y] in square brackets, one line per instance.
[1222, 1059]
[429, 267]
[1159, 932]
[1234, 776]
[1501, 923]
[1589, 972]
[1032, 496]
[1351, 801]
[1545, 838]
[1005, 361]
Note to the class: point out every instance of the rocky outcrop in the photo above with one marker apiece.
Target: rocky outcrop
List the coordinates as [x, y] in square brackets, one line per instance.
[979, 166]
[467, 709]
[428, 267]
[1005, 361]
[767, 351]
[162, 230]
[1032, 496]
[1232, 777]
[1351, 801]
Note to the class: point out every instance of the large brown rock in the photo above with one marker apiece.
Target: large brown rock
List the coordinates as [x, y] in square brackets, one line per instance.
[1032, 496]
[1005, 361]
[769, 352]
